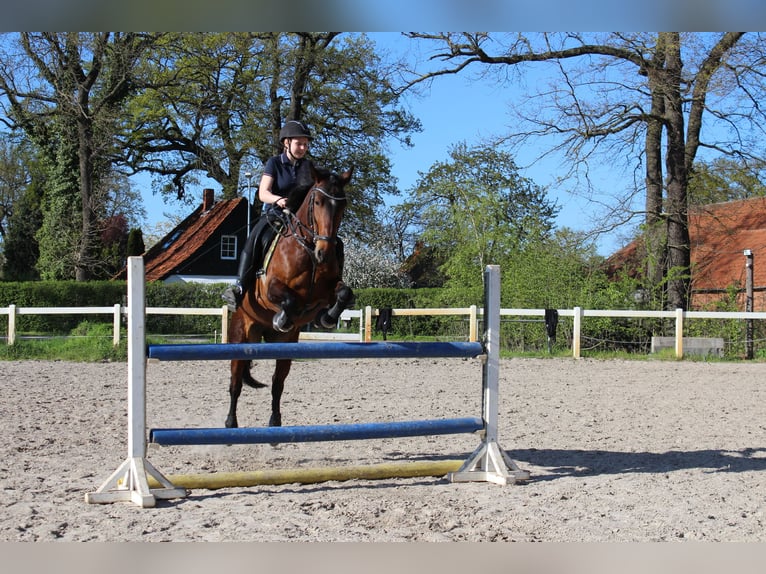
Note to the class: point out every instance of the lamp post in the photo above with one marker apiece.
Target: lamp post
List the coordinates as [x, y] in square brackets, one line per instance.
[248, 175]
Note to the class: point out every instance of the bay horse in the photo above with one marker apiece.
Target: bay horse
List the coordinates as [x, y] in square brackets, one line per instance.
[302, 283]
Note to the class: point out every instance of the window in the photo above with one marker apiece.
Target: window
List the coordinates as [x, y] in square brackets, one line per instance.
[228, 247]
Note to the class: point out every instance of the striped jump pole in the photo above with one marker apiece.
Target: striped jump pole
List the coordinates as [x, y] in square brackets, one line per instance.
[138, 481]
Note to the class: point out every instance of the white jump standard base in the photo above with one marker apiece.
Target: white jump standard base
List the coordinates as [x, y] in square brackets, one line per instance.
[489, 463]
[130, 483]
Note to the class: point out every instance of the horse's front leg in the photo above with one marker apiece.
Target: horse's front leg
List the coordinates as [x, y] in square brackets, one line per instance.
[344, 298]
[283, 296]
[277, 386]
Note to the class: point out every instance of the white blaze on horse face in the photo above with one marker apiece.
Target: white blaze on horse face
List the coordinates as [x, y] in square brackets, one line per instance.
[324, 248]
[326, 228]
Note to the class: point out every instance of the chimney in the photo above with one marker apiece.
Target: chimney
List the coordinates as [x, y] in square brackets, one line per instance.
[208, 199]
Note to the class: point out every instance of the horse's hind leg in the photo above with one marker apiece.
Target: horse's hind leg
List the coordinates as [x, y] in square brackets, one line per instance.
[277, 386]
[235, 389]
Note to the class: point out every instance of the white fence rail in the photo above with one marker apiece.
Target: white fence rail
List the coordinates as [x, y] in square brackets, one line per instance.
[117, 311]
[366, 317]
[578, 314]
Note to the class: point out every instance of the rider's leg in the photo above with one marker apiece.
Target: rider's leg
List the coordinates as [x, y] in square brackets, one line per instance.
[249, 261]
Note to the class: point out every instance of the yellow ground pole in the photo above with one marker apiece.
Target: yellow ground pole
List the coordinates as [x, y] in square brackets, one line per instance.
[212, 481]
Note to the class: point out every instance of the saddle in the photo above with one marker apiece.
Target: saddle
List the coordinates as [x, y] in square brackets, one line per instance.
[271, 237]
[271, 224]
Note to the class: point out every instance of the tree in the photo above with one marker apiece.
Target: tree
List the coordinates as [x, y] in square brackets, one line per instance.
[725, 179]
[634, 96]
[213, 104]
[423, 266]
[475, 209]
[20, 245]
[372, 264]
[560, 271]
[135, 244]
[19, 208]
[114, 243]
[14, 176]
[64, 90]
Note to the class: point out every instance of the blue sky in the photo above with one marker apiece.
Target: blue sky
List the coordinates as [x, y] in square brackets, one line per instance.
[459, 108]
[455, 109]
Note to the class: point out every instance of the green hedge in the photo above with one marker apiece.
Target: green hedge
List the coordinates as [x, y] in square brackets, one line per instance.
[59, 294]
[158, 294]
[415, 326]
[107, 294]
[516, 334]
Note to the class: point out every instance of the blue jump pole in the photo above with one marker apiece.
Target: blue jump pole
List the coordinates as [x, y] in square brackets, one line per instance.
[314, 433]
[314, 350]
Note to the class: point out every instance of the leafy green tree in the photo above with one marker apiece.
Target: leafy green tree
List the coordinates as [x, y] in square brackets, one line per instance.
[135, 244]
[15, 175]
[475, 209]
[65, 90]
[61, 229]
[20, 247]
[725, 179]
[19, 208]
[213, 104]
[640, 96]
[560, 271]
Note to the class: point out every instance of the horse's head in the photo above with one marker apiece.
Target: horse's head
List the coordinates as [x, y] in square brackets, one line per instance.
[322, 209]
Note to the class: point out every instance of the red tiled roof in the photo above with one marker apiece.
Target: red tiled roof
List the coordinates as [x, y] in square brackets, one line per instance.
[185, 240]
[719, 235]
[192, 233]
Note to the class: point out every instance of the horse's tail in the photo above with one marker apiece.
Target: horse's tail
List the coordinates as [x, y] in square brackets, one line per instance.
[248, 379]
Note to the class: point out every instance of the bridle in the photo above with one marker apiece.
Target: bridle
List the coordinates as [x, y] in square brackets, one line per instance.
[306, 235]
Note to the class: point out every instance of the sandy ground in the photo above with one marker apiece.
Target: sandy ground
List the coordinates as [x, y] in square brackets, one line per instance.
[617, 450]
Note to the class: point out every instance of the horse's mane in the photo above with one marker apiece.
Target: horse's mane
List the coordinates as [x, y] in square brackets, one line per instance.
[304, 181]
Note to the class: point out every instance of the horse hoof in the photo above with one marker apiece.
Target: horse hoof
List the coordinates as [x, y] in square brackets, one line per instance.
[275, 420]
[281, 323]
[324, 321]
[231, 423]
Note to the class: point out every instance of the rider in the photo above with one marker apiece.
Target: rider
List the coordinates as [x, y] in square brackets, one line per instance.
[281, 174]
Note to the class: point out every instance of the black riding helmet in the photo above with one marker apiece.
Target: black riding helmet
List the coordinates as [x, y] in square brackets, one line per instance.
[294, 129]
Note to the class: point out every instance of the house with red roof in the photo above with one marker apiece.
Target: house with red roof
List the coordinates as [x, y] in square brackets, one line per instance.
[720, 235]
[204, 247]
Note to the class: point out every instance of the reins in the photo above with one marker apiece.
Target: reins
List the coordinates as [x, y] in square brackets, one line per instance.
[306, 234]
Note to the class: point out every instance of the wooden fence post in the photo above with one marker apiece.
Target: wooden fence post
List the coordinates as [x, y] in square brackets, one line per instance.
[116, 324]
[11, 324]
[473, 327]
[576, 327]
[679, 333]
